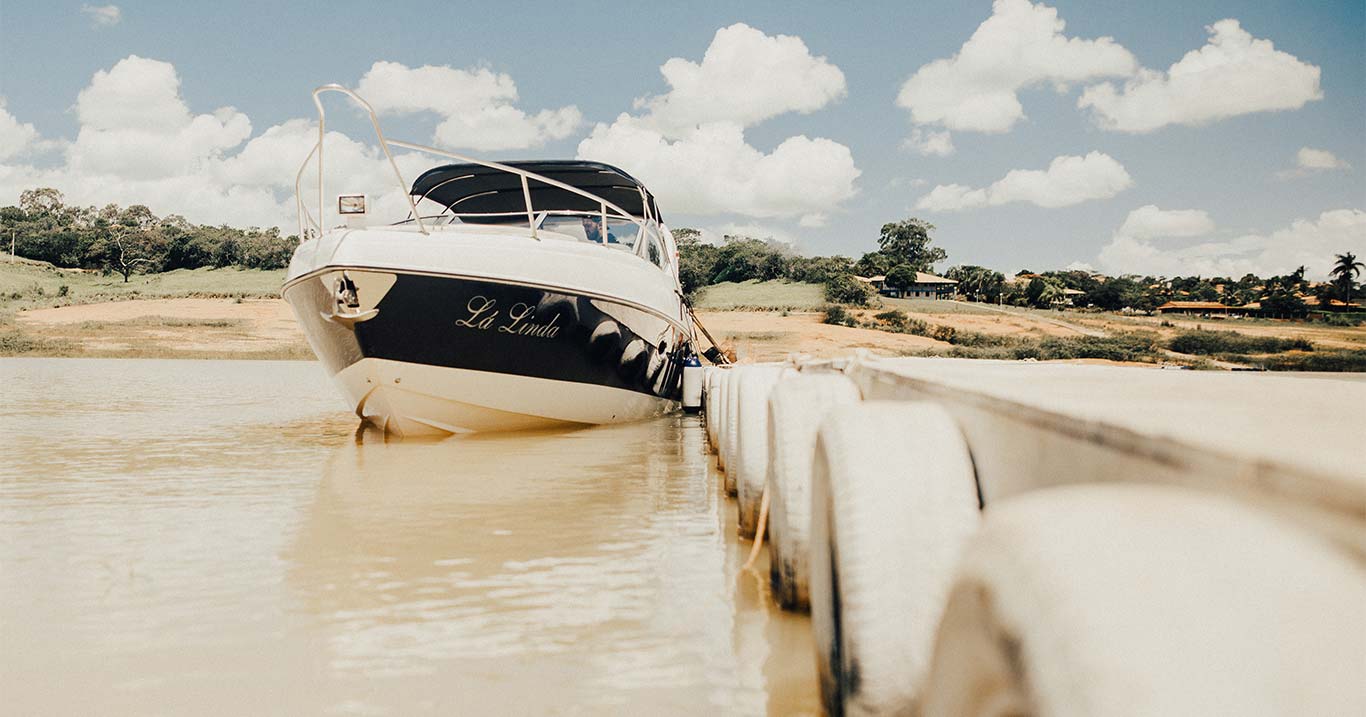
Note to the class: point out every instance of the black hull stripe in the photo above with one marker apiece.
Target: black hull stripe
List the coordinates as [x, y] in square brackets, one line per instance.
[503, 328]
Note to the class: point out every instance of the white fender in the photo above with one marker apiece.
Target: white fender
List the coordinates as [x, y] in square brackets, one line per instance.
[751, 444]
[730, 426]
[894, 501]
[722, 400]
[709, 400]
[1149, 600]
[796, 408]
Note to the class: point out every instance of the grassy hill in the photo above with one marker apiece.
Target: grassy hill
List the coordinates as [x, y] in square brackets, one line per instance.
[761, 295]
[27, 284]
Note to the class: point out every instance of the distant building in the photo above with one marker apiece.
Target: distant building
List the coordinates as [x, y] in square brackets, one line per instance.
[926, 286]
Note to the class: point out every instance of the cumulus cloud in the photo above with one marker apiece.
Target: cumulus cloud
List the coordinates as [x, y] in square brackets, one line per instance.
[930, 143]
[713, 170]
[476, 107]
[689, 144]
[1312, 161]
[103, 15]
[139, 142]
[1068, 180]
[15, 137]
[774, 236]
[1020, 46]
[1233, 74]
[1306, 242]
[134, 124]
[744, 77]
[1149, 222]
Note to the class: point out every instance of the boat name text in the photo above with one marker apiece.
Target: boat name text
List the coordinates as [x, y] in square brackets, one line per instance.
[484, 315]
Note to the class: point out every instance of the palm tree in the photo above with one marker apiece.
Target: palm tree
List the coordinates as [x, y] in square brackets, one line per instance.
[1344, 273]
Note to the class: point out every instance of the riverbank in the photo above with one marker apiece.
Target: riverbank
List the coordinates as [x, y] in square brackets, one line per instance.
[237, 314]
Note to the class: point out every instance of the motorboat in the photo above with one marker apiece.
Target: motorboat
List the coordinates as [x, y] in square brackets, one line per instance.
[515, 295]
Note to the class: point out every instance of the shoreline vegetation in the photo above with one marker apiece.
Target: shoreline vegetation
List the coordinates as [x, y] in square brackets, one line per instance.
[122, 282]
[46, 311]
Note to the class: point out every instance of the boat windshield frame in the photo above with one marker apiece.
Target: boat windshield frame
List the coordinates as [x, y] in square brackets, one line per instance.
[311, 226]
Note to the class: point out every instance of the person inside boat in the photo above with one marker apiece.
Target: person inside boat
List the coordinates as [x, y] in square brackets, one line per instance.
[592, 228]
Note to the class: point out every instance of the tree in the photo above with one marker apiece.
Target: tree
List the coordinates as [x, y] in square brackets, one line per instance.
[908, 242]
[1345, 271]
[874, 263]
[696, 260]
[126, 252]
[40, 201]
[977, 283]
[845, 289]
[902, 277]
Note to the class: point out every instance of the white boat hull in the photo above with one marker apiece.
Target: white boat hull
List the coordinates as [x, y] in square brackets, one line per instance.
[413, 399]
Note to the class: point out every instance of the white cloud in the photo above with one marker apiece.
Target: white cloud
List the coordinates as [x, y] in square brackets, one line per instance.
[135, 125]
[140, 143]
[745, 77]
[1306, 242]
[476, 106]
[689, 144]
[929, 143]
[1149, 222]
[1233, 74]
[15, 137]
[1068, 180]
[103, 15]
[813, 221]
[1311, 161]
[1319, 159]
[1020, 46]
[713, 170]
[1079, 266]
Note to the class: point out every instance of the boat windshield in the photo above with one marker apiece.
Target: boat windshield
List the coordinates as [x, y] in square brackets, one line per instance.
[620, 234]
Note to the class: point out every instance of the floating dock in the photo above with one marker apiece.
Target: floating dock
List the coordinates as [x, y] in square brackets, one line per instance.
[977, 537]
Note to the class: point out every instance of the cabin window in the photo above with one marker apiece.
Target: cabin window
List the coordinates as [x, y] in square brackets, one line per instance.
[654, 250]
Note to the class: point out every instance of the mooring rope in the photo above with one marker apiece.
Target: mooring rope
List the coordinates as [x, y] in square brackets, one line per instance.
[715, 356]
[759, 530]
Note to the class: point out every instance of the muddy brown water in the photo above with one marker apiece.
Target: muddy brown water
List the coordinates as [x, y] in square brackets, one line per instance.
[212, 537]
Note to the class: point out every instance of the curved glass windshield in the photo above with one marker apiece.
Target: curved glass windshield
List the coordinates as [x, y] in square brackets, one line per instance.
[621, 233]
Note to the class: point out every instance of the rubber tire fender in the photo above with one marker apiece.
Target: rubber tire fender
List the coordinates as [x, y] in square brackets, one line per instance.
[751, 443]
[1131, 599]
[711, 397]
[894, 501]
[795, 410]
[730, 435]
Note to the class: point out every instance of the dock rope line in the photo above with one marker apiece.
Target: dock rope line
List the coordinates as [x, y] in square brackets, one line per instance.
[712, 354]
[759, 530]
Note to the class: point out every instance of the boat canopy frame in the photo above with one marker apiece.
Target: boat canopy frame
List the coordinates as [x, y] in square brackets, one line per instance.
[605, 207]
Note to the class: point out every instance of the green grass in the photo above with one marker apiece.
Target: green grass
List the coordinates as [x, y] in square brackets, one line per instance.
[26, 284]
[931, 306]
[761, 295]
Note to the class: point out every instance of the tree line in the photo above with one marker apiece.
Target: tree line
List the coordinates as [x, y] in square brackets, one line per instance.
[125, 240]
[906, 247]
[903, 249]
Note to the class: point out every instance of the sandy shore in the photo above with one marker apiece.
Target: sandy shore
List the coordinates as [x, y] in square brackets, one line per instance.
[190, 328]
[257, 327]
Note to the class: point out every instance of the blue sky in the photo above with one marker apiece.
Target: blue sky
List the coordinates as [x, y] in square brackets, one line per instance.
[1253, 158]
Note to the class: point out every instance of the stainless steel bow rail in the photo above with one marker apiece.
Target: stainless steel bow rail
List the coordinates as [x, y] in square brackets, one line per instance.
[308, 224]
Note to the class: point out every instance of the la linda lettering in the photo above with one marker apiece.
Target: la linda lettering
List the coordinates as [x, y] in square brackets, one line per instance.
[485, 315]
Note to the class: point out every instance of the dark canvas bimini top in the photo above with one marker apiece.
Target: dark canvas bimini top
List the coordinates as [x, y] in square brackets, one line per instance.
[476, 189]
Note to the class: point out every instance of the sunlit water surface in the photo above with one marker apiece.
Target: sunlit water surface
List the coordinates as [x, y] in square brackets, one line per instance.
[212, 537]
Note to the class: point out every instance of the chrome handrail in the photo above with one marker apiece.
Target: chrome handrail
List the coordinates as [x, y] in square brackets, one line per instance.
[299, 200]
[384, 145]
[305, 219]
